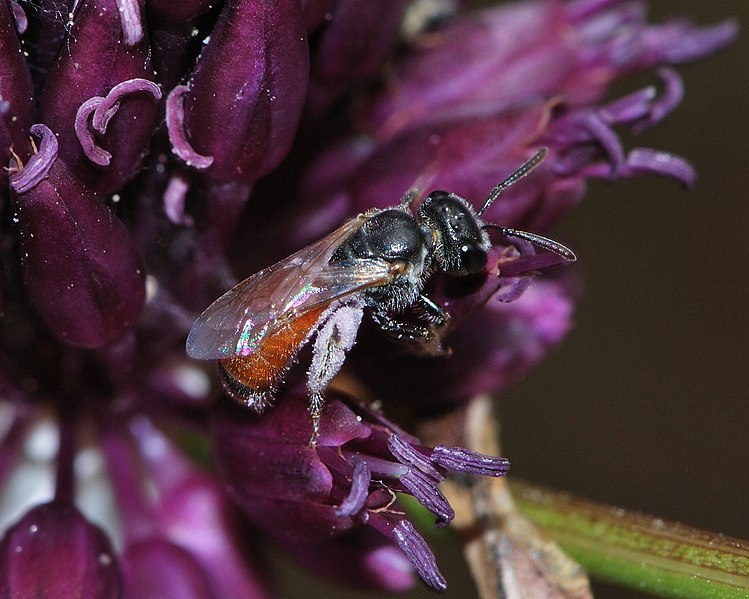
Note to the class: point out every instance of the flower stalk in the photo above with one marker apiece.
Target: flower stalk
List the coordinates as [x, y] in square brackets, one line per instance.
[634, 550]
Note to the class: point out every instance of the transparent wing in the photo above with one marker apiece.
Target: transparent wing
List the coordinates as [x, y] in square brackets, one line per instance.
[239, 321]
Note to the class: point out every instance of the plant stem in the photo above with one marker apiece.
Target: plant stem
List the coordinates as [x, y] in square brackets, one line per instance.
[634, 550]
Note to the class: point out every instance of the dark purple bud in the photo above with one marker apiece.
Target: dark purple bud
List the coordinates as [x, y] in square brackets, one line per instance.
[245, 97]
[155, 568]
[16, 87]
[53, 551]
[79, 263]
[352, 46]
[107, 57]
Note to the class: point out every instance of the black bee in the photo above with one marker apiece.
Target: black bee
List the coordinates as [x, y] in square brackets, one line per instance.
[376, 262]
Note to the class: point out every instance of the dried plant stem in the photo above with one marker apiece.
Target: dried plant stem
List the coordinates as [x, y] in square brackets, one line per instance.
[635, 550]
[508, 556]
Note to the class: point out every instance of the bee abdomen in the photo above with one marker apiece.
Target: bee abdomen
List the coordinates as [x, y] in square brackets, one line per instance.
[249, 379]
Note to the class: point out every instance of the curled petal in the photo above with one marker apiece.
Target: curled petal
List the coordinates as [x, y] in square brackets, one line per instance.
[646, 161]
[601, 133]
[101, 110]
[39, 164]
[174, 201]
[175, 122]
[682, 42]
[132, 26]
[111, 103]
[667, 103]
[95, 153]
[16, 88]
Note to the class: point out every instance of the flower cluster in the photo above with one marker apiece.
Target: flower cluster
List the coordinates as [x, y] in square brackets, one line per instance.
[155, 148]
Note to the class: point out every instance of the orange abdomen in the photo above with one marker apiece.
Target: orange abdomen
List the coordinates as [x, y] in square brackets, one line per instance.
[261, 369]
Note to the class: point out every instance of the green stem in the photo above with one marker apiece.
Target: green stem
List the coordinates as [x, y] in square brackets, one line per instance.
[638, 551]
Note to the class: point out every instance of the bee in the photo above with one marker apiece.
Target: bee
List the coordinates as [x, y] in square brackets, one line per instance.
[375, 263]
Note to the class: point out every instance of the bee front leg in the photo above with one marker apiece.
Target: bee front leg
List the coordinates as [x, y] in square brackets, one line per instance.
[334, 339]
[423, 339]
[431, 310]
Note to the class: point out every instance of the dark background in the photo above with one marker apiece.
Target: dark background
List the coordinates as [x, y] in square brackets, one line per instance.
[645, 405]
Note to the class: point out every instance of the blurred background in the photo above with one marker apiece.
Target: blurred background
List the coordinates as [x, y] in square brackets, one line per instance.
[646, 404]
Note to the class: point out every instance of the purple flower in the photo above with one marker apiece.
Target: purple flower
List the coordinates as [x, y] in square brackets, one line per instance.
[350, 478]
[157, 150]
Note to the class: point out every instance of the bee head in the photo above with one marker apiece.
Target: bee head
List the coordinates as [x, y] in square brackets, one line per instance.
[460, 243]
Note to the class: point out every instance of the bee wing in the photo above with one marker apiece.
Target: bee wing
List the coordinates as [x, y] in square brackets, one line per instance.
[239, 321]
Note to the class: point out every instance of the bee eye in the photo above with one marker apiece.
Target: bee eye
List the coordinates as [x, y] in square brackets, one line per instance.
[472, 258]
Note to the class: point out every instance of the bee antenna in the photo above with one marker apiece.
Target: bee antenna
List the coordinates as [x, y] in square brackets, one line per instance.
[521, 172]
[537, 240]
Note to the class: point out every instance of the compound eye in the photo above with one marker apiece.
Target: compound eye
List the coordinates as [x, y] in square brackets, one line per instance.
[472, 258]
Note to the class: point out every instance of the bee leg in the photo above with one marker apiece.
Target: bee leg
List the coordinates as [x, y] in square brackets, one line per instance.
[431, 310]
[334, 339]
[425, 337]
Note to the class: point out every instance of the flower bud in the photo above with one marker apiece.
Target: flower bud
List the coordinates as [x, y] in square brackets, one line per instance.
[16, 87]
[53, 551]
[79, 263]
[107, 60]
[237, 117]
[353, 44]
